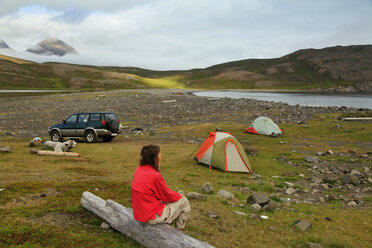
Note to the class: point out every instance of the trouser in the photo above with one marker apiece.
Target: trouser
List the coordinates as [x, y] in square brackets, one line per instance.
[175, 211]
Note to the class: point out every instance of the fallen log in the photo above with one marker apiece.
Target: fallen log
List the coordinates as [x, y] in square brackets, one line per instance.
[121, 219]
[52, 153]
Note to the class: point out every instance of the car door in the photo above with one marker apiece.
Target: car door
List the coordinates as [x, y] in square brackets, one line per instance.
[69, 125]
[81, 124]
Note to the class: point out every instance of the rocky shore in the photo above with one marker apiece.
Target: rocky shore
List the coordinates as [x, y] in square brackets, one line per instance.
[147, 110]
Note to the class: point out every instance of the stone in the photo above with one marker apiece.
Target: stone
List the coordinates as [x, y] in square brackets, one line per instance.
[285, 199]
[206, 188]
[290, 191]
[196, 196]
[330, 152]
[181, 192]
[312, 159]
[288, 184]
[356, 172]
[259, 198]
[255, 216]
[225, 194]
[311, 245]
[213, 215]
[366, 169]
[5, 149]
[352, 204]
[350, 179]
[240, 213]
[105, 225]
[302, 225]
[255, 207]
[319, 153]
[324, 186]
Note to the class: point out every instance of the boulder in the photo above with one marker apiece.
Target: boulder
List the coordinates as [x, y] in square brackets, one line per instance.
[206, 188]
[225, 194]
[260, 198]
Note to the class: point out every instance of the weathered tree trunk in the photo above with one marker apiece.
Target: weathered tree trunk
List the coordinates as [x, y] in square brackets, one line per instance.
[52, 153]
[121, 219]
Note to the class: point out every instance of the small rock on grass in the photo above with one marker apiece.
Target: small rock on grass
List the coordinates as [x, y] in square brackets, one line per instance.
[352, 204]
[105, 225]
[225, 194]
[206, 188]
[255, 207]
[240, 213]
[302, 225]
[196, 196]
[213, 215]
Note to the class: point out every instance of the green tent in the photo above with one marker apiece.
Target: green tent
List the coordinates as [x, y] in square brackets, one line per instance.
[265, 126]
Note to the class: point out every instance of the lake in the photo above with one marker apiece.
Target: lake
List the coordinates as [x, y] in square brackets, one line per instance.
[354, 100]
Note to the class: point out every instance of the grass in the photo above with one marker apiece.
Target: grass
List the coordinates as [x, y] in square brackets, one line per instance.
[58, 220]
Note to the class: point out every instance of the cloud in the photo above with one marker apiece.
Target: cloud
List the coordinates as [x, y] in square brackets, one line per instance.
[175, 34]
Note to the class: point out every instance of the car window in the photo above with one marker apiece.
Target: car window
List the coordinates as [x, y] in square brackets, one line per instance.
[83, 118]
[95, 117]
[111, 116]
[71, 119]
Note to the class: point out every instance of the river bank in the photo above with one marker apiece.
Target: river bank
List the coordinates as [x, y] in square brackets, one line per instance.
[147, 109]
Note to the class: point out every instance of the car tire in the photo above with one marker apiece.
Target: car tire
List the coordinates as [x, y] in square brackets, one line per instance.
[90, 137]
[56, 136]
[107, 139]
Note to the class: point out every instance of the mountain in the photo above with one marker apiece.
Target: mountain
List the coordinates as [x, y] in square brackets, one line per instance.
[52, 47]
[340, 68]
[3, 45]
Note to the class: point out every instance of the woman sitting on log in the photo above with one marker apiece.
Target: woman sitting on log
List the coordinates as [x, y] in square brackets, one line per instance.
[152, 201]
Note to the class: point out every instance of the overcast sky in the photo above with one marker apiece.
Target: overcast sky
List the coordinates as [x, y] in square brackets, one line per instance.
[183, 34]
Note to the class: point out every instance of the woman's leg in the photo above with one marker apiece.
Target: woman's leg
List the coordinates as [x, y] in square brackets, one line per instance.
[177, 211]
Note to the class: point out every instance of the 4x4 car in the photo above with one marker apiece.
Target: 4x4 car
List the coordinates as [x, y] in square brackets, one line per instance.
[90, 126]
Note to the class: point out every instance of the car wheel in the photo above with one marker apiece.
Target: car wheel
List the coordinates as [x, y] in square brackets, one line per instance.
[107, 139]
[90, 137]
[56, 137]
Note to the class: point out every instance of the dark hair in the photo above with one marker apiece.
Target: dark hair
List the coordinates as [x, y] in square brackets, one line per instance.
[149, 155]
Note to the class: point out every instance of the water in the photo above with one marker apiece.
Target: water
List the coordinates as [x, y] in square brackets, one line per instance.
[293, 98]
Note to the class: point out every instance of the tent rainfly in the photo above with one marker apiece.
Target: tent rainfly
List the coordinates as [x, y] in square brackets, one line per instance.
[265, 126]
[221, 150]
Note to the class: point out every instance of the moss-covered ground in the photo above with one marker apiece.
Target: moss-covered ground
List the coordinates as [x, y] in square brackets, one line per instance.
[40, 197]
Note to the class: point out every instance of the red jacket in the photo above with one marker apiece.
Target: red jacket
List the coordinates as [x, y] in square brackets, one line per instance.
[148, 190]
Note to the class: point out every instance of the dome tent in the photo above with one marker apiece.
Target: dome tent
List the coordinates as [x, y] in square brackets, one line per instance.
[265, 126]
[221, 150]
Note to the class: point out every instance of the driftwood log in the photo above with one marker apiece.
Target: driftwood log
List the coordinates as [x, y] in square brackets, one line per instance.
[52, 153]
[121, 219]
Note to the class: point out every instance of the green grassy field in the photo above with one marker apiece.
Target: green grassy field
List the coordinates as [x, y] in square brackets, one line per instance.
[40, 204]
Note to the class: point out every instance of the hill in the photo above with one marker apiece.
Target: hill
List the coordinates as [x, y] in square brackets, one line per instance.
[337, 68]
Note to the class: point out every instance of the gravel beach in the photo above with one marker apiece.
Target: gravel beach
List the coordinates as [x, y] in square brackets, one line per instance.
[148, 109]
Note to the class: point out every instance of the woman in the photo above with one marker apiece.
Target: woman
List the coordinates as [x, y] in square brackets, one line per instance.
[152, 201]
